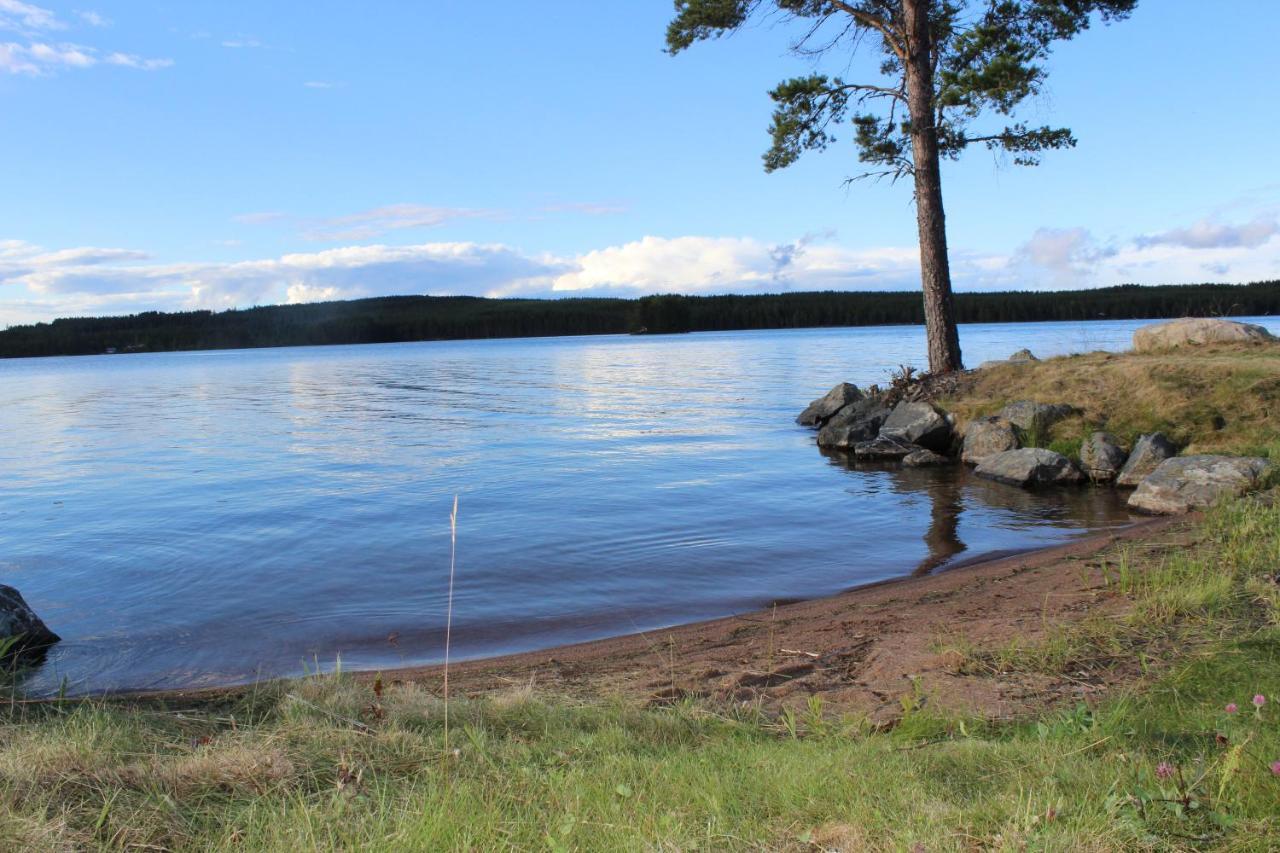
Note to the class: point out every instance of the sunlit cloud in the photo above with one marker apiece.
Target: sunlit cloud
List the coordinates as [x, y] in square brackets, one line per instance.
[39, 284]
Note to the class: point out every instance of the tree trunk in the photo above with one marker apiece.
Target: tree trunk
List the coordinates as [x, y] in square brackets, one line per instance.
[935, 270]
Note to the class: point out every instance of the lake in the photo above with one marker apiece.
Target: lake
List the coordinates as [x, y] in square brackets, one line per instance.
[202, 518]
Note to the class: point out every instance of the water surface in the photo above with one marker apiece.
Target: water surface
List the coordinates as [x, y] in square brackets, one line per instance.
[209, 517]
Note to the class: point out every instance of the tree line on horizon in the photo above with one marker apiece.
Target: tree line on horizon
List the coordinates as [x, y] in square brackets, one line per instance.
[392, 319]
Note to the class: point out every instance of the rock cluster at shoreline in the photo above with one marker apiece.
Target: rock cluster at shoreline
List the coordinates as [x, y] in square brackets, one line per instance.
[879, 425]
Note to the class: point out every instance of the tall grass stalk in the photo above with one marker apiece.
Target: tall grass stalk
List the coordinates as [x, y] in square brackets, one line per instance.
[448, 621]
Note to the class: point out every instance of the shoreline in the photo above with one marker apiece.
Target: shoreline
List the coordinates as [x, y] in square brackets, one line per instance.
[860, 649]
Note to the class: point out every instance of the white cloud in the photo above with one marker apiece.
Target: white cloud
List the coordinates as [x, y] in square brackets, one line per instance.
[368, 224]
[1207, 234]
[26, 18]
[317, 84]
[94, 19]
[240, 42]
[36, 284]
[35, 57]
[1202, 252]
[39, 58]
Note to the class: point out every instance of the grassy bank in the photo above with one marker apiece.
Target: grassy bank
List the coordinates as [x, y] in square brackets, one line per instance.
[331, 763]
[1218, 399]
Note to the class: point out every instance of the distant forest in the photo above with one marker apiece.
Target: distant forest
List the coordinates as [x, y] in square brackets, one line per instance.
[422, 318]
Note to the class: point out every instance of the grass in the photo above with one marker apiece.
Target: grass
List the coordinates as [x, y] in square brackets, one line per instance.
[330, 763]
[1221, 399]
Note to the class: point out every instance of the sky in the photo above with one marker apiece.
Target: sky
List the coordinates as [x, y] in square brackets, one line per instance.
[178, 155]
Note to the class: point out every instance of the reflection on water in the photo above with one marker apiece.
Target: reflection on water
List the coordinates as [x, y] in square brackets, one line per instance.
[961, 507]
[196, 518]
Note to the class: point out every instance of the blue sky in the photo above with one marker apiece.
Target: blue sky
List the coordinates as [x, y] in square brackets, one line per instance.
[198, 154]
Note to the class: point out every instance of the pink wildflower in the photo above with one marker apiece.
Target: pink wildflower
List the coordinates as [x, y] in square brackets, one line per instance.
[1232, 707]
[1275, 768]
[1164, 770]
[1259, 700]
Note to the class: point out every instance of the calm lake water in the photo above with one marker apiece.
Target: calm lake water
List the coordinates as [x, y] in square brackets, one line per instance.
[211, 517]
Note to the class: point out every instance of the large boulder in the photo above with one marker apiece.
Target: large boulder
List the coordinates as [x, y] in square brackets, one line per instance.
[1148, 453]
[1030, 466]
[860, 421]
[1190, 482]
[1033, 417]
[1195, 331]
[1102, 456]
[18, 620]
[986, 437]
[918, 423]
[817, 412]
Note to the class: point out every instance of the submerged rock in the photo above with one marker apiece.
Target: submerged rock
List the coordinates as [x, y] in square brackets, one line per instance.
[1030, 466]
[1030, 416]
[922, 458]
[918, 423]
[817, 412]
[1197, 330]
[17, 619]
[1191, 482]
[1148, 453]
[986, 437]
[884, 447]
[860, 421]
[1101, 456]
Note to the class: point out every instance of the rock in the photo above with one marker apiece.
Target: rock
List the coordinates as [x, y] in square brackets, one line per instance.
[924, 459]
[1191, 482]
[1022, 356]
[986, 437]
[17, 619]
[1101, 456]
[1030, 466]
[1147, 454]
[1033, 417]
[918, 423]
[860, 421]
[884, 447]
[1195, 331]
[828, 404]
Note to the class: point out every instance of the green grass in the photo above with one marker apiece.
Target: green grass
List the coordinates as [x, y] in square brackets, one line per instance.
[327, 763]
[1213, 399]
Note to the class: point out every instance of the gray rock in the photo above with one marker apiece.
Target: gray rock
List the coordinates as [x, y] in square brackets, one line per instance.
[924, 459]
[1191, 482]
[986, 437]
[1148, 453]
[884, 447]
[1196, 331]
[1030, 466]
[1022, 356]
[17, 619]
[828, 404]
[1102, 456]
[1033, 417]
[860, 421]
[918, 423]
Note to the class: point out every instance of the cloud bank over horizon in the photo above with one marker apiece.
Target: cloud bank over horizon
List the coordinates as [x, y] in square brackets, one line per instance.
[38, 284]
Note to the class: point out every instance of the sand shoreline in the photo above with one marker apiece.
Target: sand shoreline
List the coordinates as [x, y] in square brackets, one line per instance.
[859, 649]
